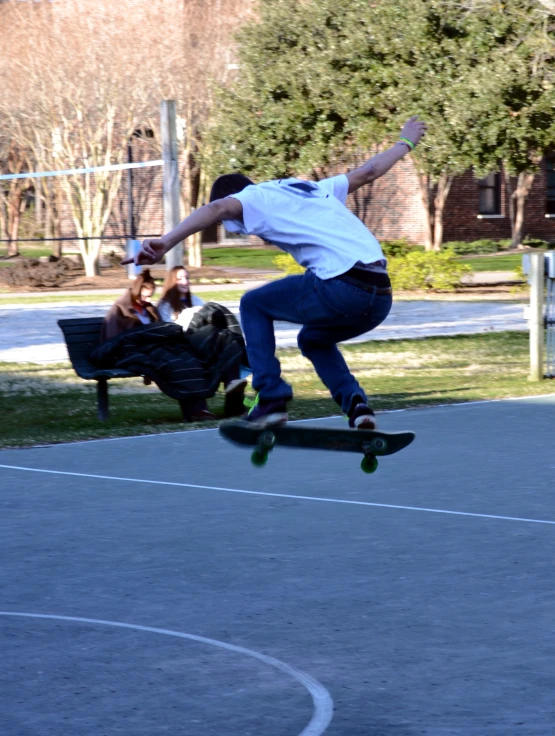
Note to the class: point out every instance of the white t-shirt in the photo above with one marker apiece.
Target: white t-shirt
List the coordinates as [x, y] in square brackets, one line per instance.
[310, 221]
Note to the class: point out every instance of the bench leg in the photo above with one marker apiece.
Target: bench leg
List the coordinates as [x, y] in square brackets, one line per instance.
[102, 398]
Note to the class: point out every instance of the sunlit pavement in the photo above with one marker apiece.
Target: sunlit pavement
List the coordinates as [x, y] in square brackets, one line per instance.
[31, 333]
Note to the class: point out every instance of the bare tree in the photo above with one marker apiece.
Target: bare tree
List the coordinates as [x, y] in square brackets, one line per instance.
[82, 100]
[13, 160]
[92, 80]
[199, 51]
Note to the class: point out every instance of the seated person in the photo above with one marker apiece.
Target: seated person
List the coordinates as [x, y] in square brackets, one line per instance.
[178, 305]
[132, 309]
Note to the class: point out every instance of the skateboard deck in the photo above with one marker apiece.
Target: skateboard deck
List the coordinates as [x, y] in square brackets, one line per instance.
[368, 442]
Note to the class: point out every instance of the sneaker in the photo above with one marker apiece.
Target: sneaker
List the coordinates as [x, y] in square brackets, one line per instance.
[362, 417]
[234, 397]
[263, 413]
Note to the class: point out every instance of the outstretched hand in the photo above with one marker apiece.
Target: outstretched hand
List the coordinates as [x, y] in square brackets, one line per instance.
[414, 129]
[152, 251]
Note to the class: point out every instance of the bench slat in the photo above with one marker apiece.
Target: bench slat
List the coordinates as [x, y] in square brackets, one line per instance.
[93, 374]
[80, 356]
[86, 344]
[75, 331]
[80, 321]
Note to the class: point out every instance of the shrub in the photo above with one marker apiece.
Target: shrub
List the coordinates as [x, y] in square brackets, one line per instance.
[427, 270]
[286, 263]
[476, 247]
[530, 242]
[394, 248]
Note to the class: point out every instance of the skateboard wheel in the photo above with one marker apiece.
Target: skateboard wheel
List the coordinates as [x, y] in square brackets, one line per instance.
[369, 464]
[267, 439]
[378, 444]
[259, 458]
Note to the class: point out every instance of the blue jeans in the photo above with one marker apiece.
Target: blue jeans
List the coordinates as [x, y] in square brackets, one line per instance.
[330, 311]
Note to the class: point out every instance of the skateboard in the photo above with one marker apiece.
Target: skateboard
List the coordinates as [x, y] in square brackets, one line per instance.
[369, 442]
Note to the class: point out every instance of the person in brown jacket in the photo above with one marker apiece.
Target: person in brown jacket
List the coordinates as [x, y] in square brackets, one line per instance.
[132, 309]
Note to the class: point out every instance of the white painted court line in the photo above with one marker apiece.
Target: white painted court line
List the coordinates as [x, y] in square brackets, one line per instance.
[321, 699]
[282, 495]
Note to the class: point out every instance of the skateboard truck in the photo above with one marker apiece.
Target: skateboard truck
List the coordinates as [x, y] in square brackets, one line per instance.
[265, 445]
[369, 463]
[370, 443]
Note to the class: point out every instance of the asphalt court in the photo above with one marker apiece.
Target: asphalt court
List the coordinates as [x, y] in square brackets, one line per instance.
[169, 587]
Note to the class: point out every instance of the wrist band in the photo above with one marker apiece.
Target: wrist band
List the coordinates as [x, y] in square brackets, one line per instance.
[410, 144]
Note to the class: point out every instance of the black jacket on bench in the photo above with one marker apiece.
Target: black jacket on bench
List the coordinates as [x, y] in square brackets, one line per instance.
[184, 366]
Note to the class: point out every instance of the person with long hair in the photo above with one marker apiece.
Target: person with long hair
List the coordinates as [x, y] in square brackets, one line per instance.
[177, 304]
[132, 309]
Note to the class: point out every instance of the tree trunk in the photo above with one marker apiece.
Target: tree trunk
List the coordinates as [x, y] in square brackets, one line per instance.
[523, 186]
[195, 250]
[517, 199]
[3, 219]
[510, 198]
[52, 207]
[425, 187]
[38, 203]
[434, 205]
[14, 215]
[90, 251]
[91, 211]
[443, 188]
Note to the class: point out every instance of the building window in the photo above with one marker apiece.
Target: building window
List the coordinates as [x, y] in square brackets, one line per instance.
[490, 195]
[550, 186]
[227, 237]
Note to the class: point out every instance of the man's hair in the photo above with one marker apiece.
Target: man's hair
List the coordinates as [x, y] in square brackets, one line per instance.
[229, 184]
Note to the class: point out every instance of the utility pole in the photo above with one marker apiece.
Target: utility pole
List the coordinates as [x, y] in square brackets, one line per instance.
[537, 330]
[171, 178]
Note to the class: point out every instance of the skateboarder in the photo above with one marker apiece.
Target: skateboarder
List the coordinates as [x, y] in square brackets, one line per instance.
[344, 292]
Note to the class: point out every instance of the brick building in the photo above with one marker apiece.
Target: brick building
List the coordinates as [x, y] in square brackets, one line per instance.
[475, 209]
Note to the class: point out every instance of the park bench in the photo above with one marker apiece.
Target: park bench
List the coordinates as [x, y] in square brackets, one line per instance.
[82, 335]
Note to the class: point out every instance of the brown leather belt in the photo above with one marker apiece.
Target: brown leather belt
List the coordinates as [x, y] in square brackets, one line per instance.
[371, 281]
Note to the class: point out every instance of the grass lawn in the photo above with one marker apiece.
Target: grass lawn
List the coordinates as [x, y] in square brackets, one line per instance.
[244, 257]
[228, 295]
[241, 257]
[28, 251]
[45, 404]
[234, 295]
[505, 262]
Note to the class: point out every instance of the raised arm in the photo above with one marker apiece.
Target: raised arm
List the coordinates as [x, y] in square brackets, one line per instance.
[413, 130]
[154, 249]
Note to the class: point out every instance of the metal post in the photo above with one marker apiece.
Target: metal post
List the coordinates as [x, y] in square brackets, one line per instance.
[130, 217]
[171, 178]
[102, 399]
[537, 336]
[132, 248]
